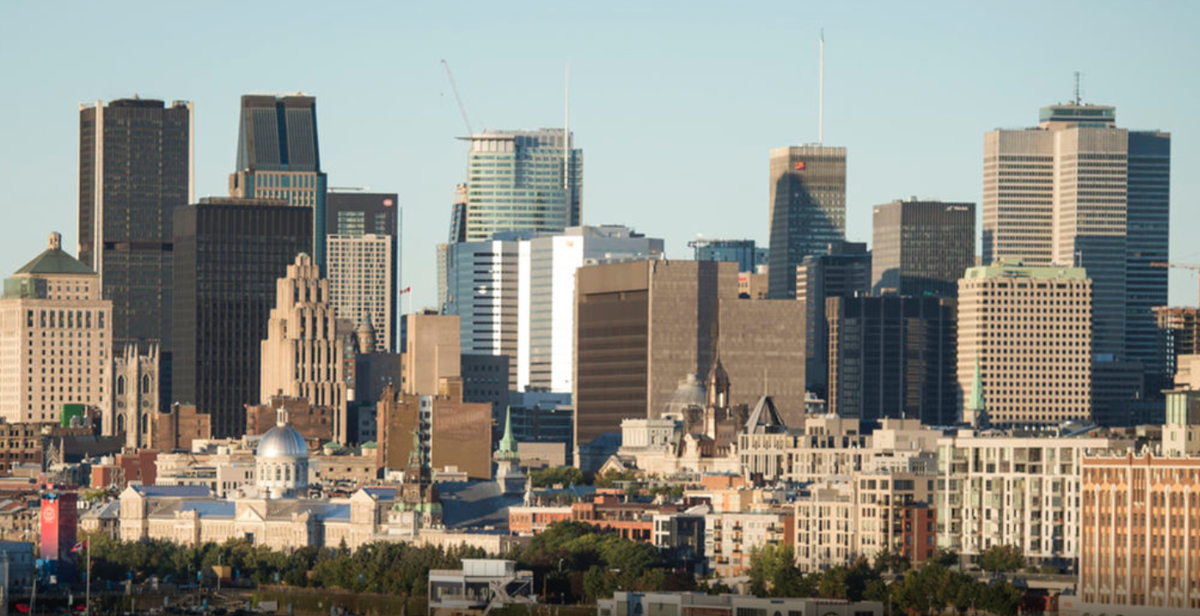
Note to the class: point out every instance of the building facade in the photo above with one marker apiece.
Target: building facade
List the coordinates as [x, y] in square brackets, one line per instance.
[135, 394]
[1140, 515]
[546, 355]
[302, 353]
[135, 165]
[522, 181]
[807, 209]
[230, 256]
[893, 357]
[1029, 331]
[743, 252]
[1014, 489]
[921, 248]
[279, 157]
[1079, 191]
[56, 339]
[363, 236]
[843, 271]
[639, 328]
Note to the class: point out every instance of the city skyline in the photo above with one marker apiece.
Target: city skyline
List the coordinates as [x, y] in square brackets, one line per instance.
[733, 82]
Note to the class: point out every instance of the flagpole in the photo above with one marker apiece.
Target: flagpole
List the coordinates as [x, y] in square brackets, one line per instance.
[87, 605]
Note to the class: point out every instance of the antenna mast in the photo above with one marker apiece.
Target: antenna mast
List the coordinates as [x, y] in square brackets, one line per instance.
[821, 90]
[1078, 98]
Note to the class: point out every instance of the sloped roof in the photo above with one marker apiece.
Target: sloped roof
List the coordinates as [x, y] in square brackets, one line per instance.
[54, 261]
[764, 419]
[171, 491]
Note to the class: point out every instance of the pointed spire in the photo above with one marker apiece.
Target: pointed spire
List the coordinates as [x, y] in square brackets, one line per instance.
[976, 401]
[508, 445]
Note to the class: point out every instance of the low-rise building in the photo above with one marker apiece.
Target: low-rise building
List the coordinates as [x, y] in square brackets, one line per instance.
[1140, 518]
[731, 538]
[700, 604]
[1015, 488]
[482, 584]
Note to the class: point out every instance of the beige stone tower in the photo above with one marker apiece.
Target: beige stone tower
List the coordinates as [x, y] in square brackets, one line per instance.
[302, 356]
[1025, 338]
[55, 338]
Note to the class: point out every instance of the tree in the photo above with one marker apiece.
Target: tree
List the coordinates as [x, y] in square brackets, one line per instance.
[945, 557]
[773, 573]
[1000, 558]
[562, 475]
[610, 478]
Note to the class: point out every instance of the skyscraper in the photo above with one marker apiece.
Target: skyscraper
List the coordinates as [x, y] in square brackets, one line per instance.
[921, 248]
[519, 181]
[640, 328]
[55, 339]
[515, 295]
[1027, 330]
[843, 271]
[230, 255]
[546, 352]
[363, 264]
[1078, 191]
[135, 165]
[1148, 208]
[807, 209]
[279, 158]
[301, 353]
[893, 357]
[484, 291]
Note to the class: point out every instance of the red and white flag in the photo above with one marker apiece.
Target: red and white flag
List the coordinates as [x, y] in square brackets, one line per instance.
[79, 547]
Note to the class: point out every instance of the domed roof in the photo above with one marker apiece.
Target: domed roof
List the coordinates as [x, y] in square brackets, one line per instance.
[690, 393]
[282, 442]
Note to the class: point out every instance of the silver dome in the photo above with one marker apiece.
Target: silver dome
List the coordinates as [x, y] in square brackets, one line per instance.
[689, 394]
[282, 442]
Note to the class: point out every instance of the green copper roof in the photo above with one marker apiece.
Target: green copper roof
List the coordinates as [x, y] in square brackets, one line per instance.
[976, 402]
[508, 444]
[1016, 269]
[54, 261]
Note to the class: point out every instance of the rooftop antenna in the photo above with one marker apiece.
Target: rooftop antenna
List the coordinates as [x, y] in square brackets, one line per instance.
[1078, 98]
[821, 90]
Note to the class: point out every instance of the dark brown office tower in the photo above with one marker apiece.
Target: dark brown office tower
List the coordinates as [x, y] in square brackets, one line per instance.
[843, 271]
[229, 254]
[135, 166]
[922, 248]
[893, 357]
[640, 328]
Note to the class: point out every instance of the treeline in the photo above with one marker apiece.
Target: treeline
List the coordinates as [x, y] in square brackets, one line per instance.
[388, 568]
[931, 588]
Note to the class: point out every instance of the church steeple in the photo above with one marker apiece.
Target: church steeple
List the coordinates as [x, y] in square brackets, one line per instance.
[508, 463]
[717, 387]
[975, 409]
[507, 449]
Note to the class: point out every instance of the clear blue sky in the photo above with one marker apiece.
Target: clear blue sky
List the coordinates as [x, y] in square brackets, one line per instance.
[675, 104]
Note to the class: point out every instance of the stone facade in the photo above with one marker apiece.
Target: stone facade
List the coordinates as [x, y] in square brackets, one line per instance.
[302, 355]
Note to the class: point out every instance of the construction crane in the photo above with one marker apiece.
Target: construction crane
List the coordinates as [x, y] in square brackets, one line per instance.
[1187, 266]
[454, 88]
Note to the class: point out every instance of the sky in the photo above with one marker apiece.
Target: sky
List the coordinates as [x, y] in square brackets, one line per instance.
[675, 104]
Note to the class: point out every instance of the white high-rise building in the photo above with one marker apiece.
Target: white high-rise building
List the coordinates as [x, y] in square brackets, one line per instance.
[515, 295]
[546, 353]
[360, 281]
